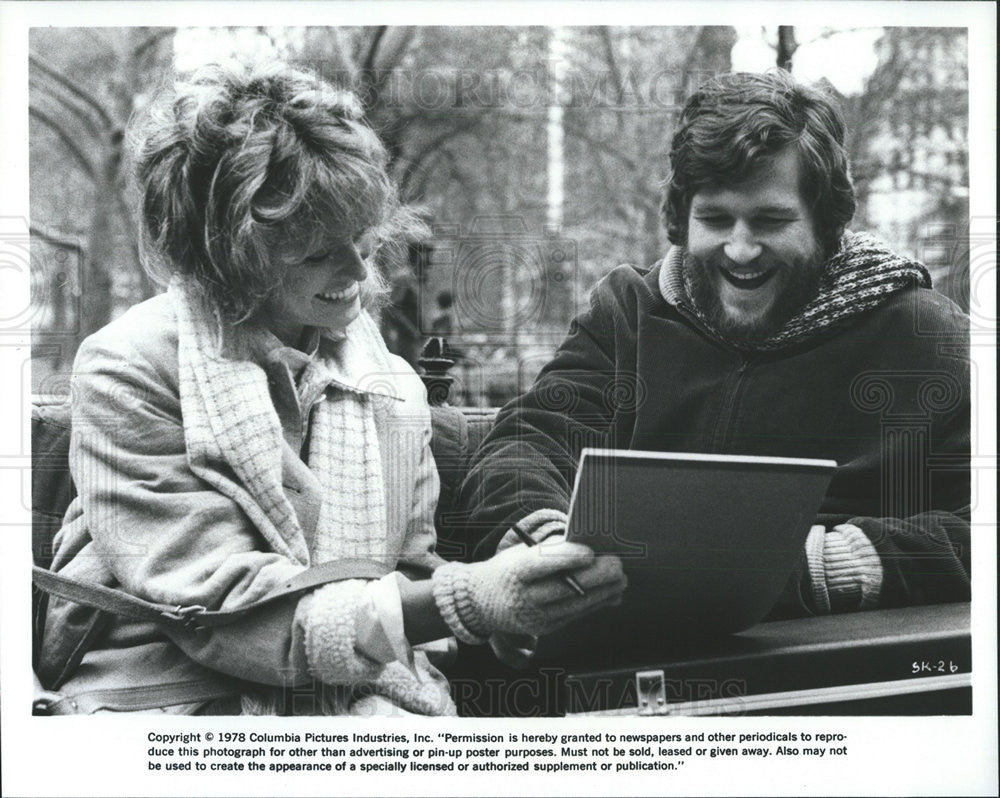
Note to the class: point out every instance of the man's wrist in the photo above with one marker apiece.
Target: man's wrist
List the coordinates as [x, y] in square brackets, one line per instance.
[845, 572]
[853, 569]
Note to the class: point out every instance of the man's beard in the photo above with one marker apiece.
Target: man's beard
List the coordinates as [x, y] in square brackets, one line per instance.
[798, 284]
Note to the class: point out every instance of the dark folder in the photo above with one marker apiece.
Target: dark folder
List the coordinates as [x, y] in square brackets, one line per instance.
[707, 541]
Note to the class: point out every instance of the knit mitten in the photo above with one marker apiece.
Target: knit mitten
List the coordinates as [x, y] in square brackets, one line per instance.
[845, 572]
[519, 590]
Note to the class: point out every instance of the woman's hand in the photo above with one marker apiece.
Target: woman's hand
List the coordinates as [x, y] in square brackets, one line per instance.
[520, 590]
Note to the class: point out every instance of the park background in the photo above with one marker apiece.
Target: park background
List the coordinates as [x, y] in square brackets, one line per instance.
[535, 154]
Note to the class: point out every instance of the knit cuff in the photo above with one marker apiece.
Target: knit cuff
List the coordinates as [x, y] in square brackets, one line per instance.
[450, 587]
[853, 569]
[328, 617]
[540, 524]
[845, 572]
[817, 571]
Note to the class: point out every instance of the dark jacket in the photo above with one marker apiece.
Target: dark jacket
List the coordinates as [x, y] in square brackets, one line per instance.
[887, 397]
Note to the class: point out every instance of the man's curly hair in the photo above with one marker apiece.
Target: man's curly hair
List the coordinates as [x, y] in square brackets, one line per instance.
[736, 123]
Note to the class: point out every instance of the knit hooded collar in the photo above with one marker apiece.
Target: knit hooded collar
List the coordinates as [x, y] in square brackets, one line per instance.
[861, 275]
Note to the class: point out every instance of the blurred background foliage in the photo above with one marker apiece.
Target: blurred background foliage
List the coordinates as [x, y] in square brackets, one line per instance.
[536, 156]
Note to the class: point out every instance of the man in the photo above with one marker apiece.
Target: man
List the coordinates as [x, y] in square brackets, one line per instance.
[766, 330]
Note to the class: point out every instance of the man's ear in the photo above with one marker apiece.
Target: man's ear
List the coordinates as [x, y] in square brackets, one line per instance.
[832, 245]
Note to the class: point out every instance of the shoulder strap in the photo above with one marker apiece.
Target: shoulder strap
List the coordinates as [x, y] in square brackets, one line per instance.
[121, 603]
[135, 699]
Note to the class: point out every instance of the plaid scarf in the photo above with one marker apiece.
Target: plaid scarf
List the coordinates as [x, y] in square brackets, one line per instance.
[229, 416]
[861, 275]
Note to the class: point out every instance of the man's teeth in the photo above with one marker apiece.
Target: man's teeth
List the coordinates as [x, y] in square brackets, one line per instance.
[333, 296]
[746, 275]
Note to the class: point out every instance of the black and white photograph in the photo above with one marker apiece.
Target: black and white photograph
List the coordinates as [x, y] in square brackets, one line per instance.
[538, 399]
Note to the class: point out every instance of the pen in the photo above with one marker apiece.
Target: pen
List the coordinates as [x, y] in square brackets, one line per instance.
[567, 578]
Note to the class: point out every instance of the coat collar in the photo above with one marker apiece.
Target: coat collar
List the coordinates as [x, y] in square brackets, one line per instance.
[356, 361]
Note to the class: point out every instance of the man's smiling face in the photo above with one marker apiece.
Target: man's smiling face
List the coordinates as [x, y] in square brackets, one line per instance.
[752, 256]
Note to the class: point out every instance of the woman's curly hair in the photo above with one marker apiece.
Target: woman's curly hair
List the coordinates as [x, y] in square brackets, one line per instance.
[237, 160]
[737, 122]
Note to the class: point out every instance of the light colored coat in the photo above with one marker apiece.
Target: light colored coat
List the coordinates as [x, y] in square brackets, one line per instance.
[156, 524]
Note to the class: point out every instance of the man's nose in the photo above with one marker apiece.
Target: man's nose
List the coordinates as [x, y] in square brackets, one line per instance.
[742, 247]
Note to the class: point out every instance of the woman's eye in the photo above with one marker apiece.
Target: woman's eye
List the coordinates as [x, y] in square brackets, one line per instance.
[319, 257]
[713, 221]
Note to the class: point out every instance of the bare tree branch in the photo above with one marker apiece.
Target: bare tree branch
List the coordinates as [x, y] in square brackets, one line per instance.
[66, 138]
[101, 41]
[454, 174]
[830, 32]
[67, 104]
[604, 34]
[72, 87]
[692, 54]
[423, 177]
[151, 41]
[369, 63]
[393, 44]
[613, 190]
[579, 133]
[340, 53]
[410, 166]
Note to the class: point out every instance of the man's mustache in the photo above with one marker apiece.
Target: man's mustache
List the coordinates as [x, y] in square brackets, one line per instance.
[766, 262]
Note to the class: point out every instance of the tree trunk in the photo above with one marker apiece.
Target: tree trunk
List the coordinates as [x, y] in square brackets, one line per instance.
[652, 236]
[786, 46]
[97, 285]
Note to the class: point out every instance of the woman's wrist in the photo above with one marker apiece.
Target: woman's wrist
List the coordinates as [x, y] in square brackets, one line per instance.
[451, 596]
[423, 620]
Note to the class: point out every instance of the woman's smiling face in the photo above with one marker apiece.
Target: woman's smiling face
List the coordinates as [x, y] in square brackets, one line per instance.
[320, 289]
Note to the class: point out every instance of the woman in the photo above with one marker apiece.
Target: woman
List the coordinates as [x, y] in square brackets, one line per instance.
[248, 428]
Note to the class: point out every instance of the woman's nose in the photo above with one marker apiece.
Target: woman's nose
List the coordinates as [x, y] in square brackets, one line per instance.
[352, 265]
[742, 247]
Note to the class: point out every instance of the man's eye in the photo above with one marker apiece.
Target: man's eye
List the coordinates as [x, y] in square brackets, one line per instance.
[713, 220]
[319, 257]
[772, 221]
